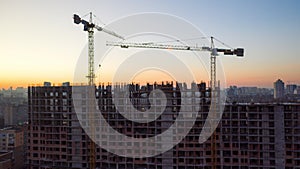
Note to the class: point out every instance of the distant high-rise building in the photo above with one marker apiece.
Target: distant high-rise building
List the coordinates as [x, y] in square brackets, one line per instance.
[8, 115]
[1, 122]
[19, 92]
[278, 89]
[290, 88]
[298, 90]
[232, 91]
[13, 114]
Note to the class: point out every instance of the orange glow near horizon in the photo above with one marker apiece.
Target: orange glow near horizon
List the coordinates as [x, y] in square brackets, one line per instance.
[151, 77]
[46, 45]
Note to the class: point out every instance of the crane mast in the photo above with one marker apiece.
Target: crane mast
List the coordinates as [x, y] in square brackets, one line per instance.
[215, 93]
[91, 74]
[214, 102]
[89, 27]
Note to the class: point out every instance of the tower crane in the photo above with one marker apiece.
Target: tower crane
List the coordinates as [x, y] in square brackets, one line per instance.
[89, 26]
[214, 108]
[213, 51]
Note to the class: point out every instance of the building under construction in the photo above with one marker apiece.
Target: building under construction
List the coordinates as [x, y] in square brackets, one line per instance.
[249, 136]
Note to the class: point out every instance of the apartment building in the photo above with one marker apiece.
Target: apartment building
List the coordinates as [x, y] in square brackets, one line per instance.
[12, 142]
[249, 136]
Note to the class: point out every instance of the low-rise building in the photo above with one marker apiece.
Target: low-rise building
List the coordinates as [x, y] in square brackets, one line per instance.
[6, 159]
[12, 140]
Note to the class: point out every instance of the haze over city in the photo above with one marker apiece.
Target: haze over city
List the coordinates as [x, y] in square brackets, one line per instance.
[39, 41]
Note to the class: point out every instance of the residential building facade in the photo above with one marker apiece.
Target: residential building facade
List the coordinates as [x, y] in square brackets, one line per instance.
[249, 135]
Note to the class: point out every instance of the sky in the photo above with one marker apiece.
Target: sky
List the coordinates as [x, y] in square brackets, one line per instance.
[39, 41]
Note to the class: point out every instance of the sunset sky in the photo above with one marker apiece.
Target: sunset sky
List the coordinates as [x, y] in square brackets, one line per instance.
[39, 41]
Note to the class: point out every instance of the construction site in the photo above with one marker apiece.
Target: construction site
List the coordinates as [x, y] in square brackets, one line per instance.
[257, 135]
[249, 135]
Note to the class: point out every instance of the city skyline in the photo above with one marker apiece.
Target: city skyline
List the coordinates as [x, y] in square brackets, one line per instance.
[39, 41]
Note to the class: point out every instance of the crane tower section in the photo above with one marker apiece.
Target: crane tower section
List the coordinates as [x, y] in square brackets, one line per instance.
[89, 26]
